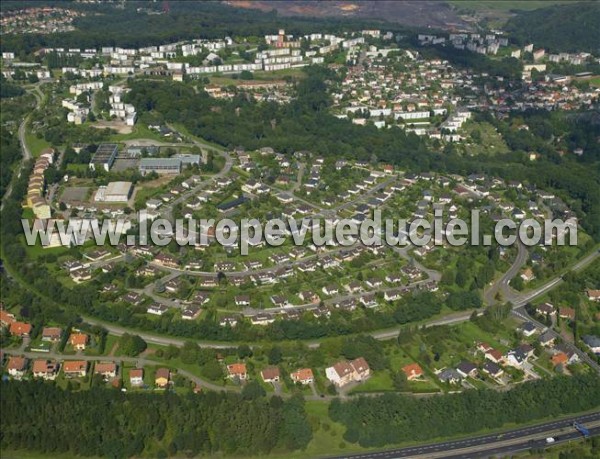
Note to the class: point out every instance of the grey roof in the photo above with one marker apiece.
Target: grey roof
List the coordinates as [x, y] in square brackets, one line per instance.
[491, 368]
[160, 162]
[466, 367]
[546, 337]
[592, 340]
[449, 374]
[528, 326]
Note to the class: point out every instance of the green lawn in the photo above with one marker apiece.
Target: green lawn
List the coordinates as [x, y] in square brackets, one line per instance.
[595, 81]
[378, 382]
[36, 146]
[327, 435]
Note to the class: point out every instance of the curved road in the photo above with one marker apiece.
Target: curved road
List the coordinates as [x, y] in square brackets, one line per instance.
[24, 148]
[502, 285]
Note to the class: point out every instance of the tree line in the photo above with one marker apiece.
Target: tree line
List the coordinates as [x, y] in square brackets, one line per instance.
[394, 418]
[107, 423]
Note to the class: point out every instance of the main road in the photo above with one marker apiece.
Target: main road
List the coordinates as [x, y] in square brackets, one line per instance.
[522, 439]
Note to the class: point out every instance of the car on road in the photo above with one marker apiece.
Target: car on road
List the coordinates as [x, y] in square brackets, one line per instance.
[550, 440]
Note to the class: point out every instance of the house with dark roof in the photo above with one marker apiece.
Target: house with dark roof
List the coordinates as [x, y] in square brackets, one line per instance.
[450, 375]
[492, 369]
[270, 374]
[467, 369]
[528, 329]
[593, 342]
[547, 338]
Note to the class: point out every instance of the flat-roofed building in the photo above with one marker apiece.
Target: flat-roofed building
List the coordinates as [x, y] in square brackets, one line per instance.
[104, 157]
[114, 192]
[160, 165]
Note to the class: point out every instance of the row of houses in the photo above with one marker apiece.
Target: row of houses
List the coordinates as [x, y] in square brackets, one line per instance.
[35, 189]
[340, 374]
[48, 369]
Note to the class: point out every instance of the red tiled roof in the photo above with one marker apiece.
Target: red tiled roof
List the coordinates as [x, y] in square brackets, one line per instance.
[20, 328]
[78, 339]
[17, 363]
[412, 370]
[236, 369]
[303, 374]
[74, 366]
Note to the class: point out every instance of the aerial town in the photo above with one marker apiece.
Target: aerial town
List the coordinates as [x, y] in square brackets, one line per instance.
[340, 125]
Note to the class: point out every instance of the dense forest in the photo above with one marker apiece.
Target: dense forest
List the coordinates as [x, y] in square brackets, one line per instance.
[107, 423]
[572, 27]
[394, 418]
[11, 151]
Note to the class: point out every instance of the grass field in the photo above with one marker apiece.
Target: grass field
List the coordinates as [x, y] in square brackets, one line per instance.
[595, 81]
[258, 76]
[35, 145]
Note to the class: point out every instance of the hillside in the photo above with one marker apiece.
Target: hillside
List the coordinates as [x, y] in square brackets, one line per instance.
[568, 28]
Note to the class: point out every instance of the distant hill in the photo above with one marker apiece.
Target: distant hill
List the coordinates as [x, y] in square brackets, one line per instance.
[419, 13]
[560, 28]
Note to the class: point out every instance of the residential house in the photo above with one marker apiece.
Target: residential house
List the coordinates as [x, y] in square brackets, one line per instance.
[166, 260]
[492, 369]
[467, 369]
[412, 371]
[569, 351]
[157, 309]
[450, 375]
[484, 347]
[546, 309]
[108, 370]
[46, 369]
[162, 377]
[331, 290]
[528, 329]
[593, 342]
[527, 275]
[560, 358]
[136, 377]
[566, 313]
[75, 368]
[20, 329]
[593, 295]
[547, 338]
[17, 366]
[191, 312]
[262, 319]
[494, 355]
[270, 374]
[6, 318]
[344, 372]
[309, 296]
[78, 341]
[52, 334]
[242, 300]
[302, 376]
[354, 287]
[237, 371]
[393, 294]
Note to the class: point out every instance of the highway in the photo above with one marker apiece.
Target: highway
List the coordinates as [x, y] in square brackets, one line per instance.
[511, 441]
